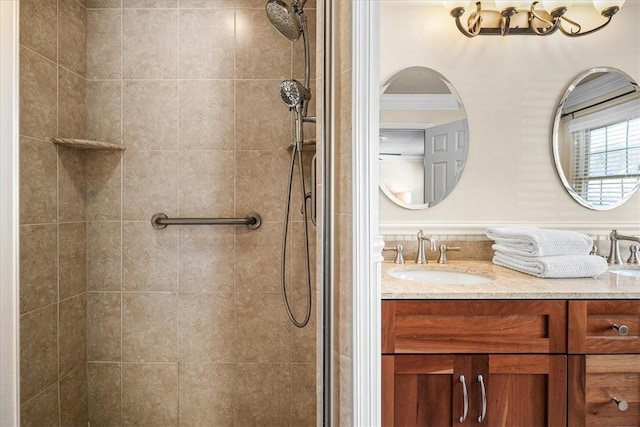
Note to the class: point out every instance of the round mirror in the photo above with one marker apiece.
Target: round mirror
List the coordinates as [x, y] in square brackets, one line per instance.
[596, 138]
[423, 138]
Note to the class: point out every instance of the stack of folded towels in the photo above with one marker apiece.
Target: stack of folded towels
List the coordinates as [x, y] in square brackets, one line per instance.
[551, 254]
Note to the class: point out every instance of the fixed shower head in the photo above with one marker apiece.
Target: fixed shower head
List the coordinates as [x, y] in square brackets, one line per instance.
[284, 18]
[293, 93]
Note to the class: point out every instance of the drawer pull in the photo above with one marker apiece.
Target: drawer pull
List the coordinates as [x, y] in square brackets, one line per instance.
[621, 404]
[484, 399]
[465, 400]
[622, 329]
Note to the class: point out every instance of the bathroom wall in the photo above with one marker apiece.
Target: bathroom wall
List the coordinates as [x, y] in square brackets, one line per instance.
[53, 387]
[510, 87]
[343, 352]
[186, 325]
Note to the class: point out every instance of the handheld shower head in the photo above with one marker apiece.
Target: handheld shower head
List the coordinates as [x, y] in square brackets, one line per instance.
[284, 18]
[293, 93]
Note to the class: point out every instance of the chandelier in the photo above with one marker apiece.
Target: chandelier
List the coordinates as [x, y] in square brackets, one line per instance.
[530, 18]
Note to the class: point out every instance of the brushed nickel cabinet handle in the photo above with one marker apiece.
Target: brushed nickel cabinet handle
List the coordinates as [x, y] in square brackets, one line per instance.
[622, 329]
[621, 404]
[465, 400]
[484, 399]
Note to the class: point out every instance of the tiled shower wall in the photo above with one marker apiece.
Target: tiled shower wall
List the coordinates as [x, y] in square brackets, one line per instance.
[186, 325]
[53, 386]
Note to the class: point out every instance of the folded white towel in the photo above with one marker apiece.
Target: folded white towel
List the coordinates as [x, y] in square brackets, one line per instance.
[540, 242]
[554, 267]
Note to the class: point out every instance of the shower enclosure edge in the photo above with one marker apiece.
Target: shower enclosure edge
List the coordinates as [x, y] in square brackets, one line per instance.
[9, 250]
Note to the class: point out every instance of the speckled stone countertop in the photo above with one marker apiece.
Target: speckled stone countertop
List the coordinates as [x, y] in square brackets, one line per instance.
[507, 284]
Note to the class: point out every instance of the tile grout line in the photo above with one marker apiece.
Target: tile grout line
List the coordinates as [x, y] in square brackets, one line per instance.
[122, 171]
[58, 209]
[178, 231]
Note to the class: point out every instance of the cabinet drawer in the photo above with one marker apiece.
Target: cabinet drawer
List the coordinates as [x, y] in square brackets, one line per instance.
[594, 380]
[467, 326]
[591, 326]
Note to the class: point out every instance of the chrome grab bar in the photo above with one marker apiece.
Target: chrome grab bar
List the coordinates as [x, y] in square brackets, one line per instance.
[160, 221]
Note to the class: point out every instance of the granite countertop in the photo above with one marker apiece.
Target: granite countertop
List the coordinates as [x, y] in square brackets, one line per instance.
[508, 284]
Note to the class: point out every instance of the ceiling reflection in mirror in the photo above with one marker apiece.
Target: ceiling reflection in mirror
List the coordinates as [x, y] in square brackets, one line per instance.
[423, 138]
[596, 138]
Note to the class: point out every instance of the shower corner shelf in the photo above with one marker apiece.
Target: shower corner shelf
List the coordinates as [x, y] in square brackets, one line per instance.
[86, 144]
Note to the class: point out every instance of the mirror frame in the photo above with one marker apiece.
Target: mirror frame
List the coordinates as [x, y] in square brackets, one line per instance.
[417, 126]
[555, 139]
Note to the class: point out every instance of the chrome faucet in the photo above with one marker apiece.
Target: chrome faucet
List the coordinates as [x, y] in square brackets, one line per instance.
[421, 257]
[614, 252]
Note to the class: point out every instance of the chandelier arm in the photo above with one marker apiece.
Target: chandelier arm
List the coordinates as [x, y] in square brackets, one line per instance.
[463, 30]
[578, 33]
[505, 24]
[552, 26]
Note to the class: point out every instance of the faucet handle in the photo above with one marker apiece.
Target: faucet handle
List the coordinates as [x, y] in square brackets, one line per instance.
[633, 258]
[399, 253]
[443, 253]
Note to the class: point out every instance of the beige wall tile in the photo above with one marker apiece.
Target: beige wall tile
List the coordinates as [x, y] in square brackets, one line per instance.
[72, 116]
[72, 36]
[38, 351]
[38, 177]
[257, 258]
[104, 42]
[346, 392]
[42, 410]
[207, 260]
[104, 110]
[260, 318]
[104, 326]
[263, 394]
[104, 4]
[344, 156]
[206, 394]
[73, 334]
[263, 122]
[149, 327]
[261, 181]
[150, 3]
[207, 115]
[303, 340]
[149, 257]
[38, 266]
[72, 259]
[150, 185]
[38, 96]
[150, 120]
[104, 195]
[73, 398]
[105, 384]
[104, 256]
[207, 44]
[303, 390]
[38, 26]
[206, 329]
[207, 4]
[150, 394]
[72, 187]
[261, 51]
[298, 261]
[150, 44]
[249, 4]
[206, 184]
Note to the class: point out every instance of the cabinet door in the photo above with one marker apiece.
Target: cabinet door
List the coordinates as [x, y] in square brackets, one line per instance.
[526, 390]
[424, 390]
[595, 380]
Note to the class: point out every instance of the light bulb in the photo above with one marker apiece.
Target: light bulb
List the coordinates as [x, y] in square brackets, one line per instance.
[601, 5]
[519, 5]
[550, 5]
[452, 4]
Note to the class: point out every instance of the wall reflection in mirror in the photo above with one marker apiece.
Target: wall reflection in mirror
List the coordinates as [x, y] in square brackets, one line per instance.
[423, 138]
[596, 138]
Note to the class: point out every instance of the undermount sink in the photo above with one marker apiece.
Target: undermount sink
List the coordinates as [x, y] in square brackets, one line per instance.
[439, 277]
[630, 273]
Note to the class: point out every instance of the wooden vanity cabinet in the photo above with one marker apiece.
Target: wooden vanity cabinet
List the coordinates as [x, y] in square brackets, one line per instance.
[603, 363]
[429, 345]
